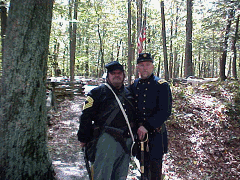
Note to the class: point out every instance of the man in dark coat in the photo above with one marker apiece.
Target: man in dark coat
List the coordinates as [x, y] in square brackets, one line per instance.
[114, 144]
[153, 105]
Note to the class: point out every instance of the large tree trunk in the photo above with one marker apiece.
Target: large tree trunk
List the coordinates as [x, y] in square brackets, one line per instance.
[164, 42]
[23, 103]
[188, 51]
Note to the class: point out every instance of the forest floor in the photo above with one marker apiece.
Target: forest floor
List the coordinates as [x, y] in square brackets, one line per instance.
[204, 135]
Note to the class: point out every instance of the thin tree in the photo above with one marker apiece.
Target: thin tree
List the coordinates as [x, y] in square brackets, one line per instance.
[224, 48]
[188, 49]
[164, 42]
[130, 49]
[24, 152]
[72, 33]
[234, 65]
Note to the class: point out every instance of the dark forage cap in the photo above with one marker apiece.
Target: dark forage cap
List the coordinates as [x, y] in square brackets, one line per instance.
[144, 57]
[114, 65]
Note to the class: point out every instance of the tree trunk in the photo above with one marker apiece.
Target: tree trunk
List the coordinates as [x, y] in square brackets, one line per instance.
[234, 65]
[213, 57]
[3, 24]
[130, 51]
[199, 63]
[101, 52]
[175, 60]
[23, 103]
[164, 42]
[159, 65]
[171, 53]
[224, 48]
[188, 51]
[229, 67]
[139, 23]
[72, 32]
[182, 66]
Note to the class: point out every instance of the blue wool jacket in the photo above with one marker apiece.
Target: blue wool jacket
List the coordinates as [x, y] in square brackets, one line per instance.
[153, 101]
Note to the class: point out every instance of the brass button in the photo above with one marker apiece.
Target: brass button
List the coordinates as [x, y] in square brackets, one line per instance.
[143, 107]
[137, 95]
[144, 95]
[148, 82]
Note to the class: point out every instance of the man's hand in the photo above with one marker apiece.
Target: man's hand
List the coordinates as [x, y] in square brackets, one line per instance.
[142, 131]
[82, 144]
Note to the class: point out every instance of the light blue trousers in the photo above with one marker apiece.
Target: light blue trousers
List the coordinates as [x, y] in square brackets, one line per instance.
[111, 161]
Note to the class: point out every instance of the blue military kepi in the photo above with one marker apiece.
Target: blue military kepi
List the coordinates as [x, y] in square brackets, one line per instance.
[114, 65]
[144, 57]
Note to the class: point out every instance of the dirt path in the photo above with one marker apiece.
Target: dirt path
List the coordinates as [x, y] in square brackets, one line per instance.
[203, 140]
[65, 151]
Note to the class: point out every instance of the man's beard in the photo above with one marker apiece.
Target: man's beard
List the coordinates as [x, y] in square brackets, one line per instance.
[117, 84]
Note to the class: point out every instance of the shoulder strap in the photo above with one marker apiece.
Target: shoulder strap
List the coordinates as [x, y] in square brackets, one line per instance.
[111, 117]
[124, 114]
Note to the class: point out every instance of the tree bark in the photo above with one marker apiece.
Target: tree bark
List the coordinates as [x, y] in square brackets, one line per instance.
[23, 103]
[175, 60]
[213, 56]
[188, 51]
[164, 42]
[224, 48]
[72, 31]
[3, 23]
[171, 53]
[234, 65]
[130, 49]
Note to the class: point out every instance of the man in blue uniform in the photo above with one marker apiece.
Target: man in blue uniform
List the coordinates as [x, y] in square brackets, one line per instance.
[153, 107]
[114, 143]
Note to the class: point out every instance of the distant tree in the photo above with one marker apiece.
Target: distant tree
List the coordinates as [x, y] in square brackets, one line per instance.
[234, 65]
[24, 152]
[225, 47]
[188, 50]
[130, 49]
[164, 42]
[72, 34]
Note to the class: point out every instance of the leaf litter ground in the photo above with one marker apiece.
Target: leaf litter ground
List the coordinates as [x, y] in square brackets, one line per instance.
[204, 141]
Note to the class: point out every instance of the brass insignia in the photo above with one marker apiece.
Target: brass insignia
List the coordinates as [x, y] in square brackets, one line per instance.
[144, 55]
[88, 103]
[161, 81]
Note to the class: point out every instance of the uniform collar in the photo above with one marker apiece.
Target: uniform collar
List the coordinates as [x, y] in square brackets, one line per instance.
[146, 80]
